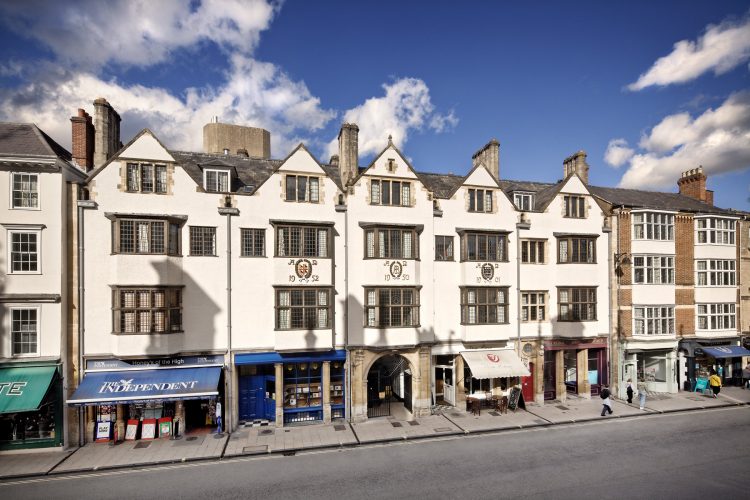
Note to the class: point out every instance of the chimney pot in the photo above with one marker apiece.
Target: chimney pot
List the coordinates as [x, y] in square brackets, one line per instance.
[348, 152]
[489, 156]
[576, 163]
[692, 183]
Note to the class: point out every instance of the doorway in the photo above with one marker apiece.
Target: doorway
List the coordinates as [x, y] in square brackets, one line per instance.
[389, 387]
[445, 391]
[257, 393]
[527, 384]
[550, 375]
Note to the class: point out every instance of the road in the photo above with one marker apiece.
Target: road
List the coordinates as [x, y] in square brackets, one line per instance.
[701, 454]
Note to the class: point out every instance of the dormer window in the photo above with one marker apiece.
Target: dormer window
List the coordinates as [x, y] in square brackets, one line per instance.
[480, 200]
[216, 181]
[302, 188]
[393, 193]
[523, 201]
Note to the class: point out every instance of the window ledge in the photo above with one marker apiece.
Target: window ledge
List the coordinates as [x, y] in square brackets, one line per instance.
[133, 334]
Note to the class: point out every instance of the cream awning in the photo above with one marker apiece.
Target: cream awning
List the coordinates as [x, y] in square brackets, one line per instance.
[495, 363]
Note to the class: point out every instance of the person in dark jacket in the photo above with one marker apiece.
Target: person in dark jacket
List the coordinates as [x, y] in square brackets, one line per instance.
[607, 403]
[630, 391]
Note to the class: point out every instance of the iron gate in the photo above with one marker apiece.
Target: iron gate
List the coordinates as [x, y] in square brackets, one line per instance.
[379, 398]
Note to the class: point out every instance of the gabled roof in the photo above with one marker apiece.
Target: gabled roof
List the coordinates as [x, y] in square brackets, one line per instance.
[634, 198]
[28, 140]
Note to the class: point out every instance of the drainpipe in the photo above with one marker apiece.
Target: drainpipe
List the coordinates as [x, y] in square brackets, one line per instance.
[341, 207]
[229, 211]
[82, 205]
[610, 293]
[525, 225]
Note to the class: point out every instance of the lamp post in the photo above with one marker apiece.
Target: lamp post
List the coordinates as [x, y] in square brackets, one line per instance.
[229, 211]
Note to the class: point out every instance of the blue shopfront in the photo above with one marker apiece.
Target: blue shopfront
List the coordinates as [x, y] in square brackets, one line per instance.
[294, 387]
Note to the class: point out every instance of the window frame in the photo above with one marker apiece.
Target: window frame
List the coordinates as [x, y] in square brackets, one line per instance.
[712, 232]
[404, 202]
[573, 204]
[173, 312]
[539, 250]
[649, 224]
[716, 315]
[377, 232]
[155, 168]
[569, 239]
[218, 172]
[302, 240]
[253, 232]
[501, 307]
[328, 307]
[571, 303]
[501, 246]
[528, 306]
[653, 270]
[483, 195]
[37, 232]
[172, 240]
[444, 257]
[203, 253]
[523, 195]
[307, 197]
[30, 194]
[717, 274]
[12, 333]
[655, 319]
[377, 308]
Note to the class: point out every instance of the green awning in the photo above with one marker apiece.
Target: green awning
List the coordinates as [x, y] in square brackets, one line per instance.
[23, 388]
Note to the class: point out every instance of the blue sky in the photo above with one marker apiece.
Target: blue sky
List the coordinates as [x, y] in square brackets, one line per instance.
[648, 89]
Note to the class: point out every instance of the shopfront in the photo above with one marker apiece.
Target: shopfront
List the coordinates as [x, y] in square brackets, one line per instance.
[291, 388]
[30, 407]
[491, 371]
[723, 356]
[148, 399]
[576, 367]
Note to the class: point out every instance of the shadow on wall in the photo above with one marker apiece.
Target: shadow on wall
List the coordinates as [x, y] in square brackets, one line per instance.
[198, 314]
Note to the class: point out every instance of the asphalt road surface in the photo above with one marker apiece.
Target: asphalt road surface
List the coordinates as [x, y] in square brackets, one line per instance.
[701, 454]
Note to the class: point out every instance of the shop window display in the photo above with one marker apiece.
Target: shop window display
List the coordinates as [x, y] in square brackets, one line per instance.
[337, 389]
[303, 397]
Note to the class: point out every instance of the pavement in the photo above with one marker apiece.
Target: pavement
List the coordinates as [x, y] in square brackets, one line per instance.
[342, 434]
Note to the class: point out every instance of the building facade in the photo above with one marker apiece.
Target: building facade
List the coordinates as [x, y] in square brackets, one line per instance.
[39, 184]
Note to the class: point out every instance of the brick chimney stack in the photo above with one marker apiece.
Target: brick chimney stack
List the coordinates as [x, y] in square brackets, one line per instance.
[348, 152]
[576, 163]
[489, 156]
[692, 183]
[107, 131]
[83, 140]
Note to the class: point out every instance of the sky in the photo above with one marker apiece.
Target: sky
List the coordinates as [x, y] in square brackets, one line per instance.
[648, 89]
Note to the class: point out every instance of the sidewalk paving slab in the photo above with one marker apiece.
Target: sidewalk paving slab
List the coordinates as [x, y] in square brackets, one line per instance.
[380, 430]
[97, 456]
[581, 410]
[30, 462]
[490, 420]
[259, 440]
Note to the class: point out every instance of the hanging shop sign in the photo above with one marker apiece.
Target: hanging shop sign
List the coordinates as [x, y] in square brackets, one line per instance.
[140, 364]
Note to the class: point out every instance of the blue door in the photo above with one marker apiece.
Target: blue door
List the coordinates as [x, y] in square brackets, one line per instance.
[255, 397]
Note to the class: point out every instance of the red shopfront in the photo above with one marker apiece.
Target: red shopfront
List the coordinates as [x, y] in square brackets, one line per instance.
[579, 366]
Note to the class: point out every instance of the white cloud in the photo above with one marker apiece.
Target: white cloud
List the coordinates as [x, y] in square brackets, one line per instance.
[255, 93]
[720, 49]
[91, 33]
[718, 139]
[618, 153]
[405, 107]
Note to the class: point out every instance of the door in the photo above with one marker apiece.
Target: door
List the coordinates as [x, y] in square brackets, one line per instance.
[254, 397]
[449, 392]
[550, 375]
[527, 385]
[269, 406]
[407, 390]
[246, 401]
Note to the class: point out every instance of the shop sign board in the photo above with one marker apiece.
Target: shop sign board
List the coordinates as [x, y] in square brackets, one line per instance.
[131, 430]
[103, 431]
[140, 364]
[148, 430]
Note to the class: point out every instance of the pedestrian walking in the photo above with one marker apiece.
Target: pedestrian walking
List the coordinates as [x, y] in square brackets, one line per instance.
[641, 386]
[746, 377]
[629, 390]
[715, 382]
[607, 403]
[218, 417]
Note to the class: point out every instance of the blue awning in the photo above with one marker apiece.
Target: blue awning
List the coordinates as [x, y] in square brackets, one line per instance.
[147, 385]
[260, 358]
[726, 351]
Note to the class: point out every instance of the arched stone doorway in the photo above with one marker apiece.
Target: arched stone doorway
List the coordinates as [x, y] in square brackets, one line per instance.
[390, 387]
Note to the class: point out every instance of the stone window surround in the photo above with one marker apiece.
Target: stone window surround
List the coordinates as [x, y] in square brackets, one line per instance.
[11, 309]
[29, 229]
[12, 182]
